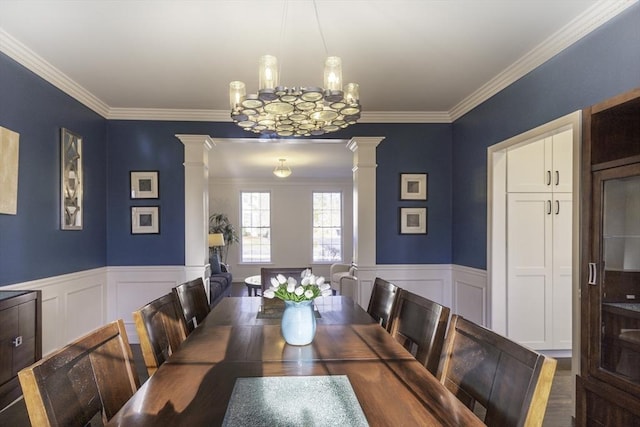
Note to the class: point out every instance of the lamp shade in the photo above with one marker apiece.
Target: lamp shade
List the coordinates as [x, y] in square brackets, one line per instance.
[216, 239]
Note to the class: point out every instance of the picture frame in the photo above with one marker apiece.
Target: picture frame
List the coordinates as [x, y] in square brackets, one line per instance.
[145, 219]
[413, 220]
[413, 186]
[144, 184]
[9, 154]
[71, 181]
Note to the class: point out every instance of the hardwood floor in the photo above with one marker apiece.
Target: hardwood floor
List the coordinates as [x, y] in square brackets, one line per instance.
[558, 414]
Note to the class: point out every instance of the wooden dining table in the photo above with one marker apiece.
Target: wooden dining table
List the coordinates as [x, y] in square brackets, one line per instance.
[194, 387]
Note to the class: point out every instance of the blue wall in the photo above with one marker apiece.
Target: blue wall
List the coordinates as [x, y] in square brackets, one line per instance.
[32, 245]
[603, 64]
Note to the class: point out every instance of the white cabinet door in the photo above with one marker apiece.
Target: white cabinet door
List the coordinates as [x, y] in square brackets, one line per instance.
[539, 240]
[528, 167]
[529, 268]
[562, 154]
[562, 238]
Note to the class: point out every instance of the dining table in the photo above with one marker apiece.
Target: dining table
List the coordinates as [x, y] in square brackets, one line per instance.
[236, 369]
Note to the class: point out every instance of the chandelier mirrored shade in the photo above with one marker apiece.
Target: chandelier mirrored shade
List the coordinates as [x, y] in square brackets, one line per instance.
[282, 171]
[268, 72]
[296, 111]
[237, 94]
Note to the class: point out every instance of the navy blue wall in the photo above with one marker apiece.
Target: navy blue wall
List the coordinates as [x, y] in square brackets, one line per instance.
[603, 64]
[413, 148]
[32, 245]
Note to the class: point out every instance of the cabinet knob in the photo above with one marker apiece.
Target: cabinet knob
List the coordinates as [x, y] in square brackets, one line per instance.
[17, 341]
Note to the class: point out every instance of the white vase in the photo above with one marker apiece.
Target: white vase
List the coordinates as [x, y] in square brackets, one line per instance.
[298, 322]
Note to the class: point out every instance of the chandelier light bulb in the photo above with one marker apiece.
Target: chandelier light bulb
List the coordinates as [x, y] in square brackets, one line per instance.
[282, 171]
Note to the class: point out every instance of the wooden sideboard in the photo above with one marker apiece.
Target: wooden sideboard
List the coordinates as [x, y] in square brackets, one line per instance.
[20, 338]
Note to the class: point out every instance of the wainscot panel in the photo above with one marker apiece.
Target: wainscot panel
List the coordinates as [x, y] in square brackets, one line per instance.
[72, 305]
[470, 293]
[129, 288]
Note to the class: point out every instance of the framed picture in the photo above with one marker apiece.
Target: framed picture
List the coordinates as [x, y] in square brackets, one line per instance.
[144, 184]
[413, 220]
[9, 150]
[145, 220]
[71, 181]
[413, 186]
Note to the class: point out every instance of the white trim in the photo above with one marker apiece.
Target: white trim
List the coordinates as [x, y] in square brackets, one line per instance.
[593, 18]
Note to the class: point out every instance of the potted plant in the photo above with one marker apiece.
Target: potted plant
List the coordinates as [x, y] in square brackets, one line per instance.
[219, 223]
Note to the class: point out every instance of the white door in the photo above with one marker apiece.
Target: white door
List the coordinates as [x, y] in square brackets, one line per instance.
[529, 167]
[562, 237]
[529, 268]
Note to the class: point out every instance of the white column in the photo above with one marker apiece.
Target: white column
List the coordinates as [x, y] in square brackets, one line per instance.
[364, 211]
[196, 203]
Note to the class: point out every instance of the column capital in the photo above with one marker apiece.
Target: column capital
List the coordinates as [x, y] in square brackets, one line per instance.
[191, 140]
[362, 141]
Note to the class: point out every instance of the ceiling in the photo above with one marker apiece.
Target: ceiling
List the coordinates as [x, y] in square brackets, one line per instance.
[415, 61]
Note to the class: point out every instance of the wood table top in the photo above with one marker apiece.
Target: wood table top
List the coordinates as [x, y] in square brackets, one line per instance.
[194, 386]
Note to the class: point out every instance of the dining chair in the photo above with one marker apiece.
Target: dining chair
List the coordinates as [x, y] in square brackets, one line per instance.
[511, 382]
[420, 324]
[88, 379]
[383, 301]
[193, 302]
[160, 330]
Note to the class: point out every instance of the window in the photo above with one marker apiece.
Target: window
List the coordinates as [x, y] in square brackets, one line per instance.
[327, 226]
[255, 238]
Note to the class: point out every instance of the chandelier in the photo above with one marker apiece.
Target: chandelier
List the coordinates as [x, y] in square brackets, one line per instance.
[295, 111]
[282, 171]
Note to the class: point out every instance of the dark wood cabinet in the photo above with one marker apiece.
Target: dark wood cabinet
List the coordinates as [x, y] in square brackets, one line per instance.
[20, 338]
[608, 387]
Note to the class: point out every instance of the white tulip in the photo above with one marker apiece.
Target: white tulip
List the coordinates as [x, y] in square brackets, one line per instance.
[327, 293]
[291, 286]
[292, 280]
[306, 272]
[274, 282]
[320, 281]
[281, 278]
[305, 281]
[308, 293]
[269, 293]
[324, 286]
[299, 290]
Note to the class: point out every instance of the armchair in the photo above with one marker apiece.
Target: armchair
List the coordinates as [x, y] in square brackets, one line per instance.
[344, 279]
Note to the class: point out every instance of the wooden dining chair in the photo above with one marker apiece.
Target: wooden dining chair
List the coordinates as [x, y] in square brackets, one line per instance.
[510, 382]
[90, 378]
[383, 301]
[193, 302]
[160, 330]
[420, 324]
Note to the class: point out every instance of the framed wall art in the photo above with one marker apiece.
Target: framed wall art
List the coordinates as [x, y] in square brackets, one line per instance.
[413, 220]
[144, 184]
[9, 150]
[413, 186]
[71, 180]
[145, 220]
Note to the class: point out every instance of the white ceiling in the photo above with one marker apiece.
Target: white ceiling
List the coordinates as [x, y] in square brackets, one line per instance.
[420, 61]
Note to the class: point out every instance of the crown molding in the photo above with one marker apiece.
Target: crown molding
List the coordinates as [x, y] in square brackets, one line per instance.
[594, 17]
[35, 63]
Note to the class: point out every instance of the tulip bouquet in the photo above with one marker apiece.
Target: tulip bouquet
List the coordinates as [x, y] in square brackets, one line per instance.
[288, 289]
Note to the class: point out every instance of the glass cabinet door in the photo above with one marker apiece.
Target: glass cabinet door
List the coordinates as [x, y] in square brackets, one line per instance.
[617, 270]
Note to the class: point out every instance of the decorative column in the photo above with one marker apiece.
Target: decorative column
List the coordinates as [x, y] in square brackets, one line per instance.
[364, 211]
[196, 203]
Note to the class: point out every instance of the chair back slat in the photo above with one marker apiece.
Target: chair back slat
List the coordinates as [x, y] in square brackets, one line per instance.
[160, 329]
[382, 303]
[91, 377]
[193, 301]
[510, 381]
[420, 324]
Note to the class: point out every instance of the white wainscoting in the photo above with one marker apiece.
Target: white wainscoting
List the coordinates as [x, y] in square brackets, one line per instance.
[72, 305]
[129, 288]
[463, 289]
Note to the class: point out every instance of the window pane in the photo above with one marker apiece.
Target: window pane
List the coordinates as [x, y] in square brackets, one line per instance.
[256, 233]
[327, 226]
